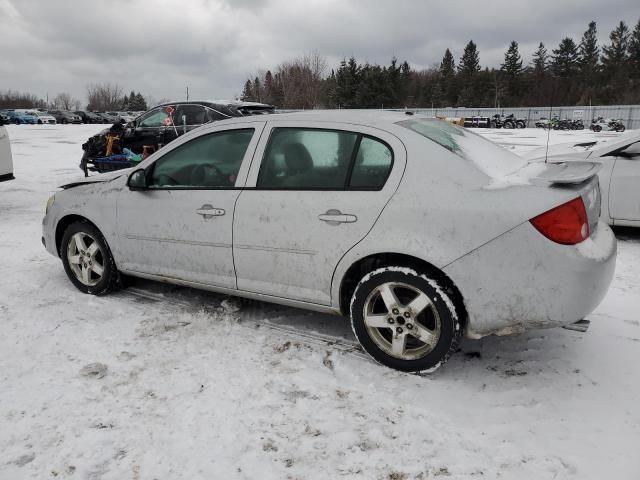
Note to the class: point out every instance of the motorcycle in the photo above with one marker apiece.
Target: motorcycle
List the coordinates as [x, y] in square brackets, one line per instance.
[609, 124]
[543, 122]
[577, 125]
[510, 121]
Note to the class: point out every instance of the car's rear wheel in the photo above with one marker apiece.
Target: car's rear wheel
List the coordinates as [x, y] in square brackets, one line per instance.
[404, 319]
[87, 259]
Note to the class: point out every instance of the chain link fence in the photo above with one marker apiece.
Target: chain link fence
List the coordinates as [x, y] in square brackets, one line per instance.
[629, 114]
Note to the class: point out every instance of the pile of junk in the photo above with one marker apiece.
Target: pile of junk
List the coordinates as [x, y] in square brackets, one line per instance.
[104, 152]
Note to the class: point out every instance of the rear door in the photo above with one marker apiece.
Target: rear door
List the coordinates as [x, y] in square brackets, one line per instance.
[314, 191]
[624, 188]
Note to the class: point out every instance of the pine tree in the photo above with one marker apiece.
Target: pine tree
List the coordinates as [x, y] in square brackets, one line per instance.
[470, 61]
[511, 71]
[468, 69]
[347, 82]
[140, 103]
[634, 52]
[448, 86]
[615, 55]
[247, 92]
[540, 61]
[257, 90]
[564, 62]
[589, 53]
[447, 66]
[268, 87]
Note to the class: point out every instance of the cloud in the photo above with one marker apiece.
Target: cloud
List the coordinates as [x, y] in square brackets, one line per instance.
[160, 46]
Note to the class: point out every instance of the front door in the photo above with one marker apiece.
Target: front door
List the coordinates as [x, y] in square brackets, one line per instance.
[149, 129]
[318, 191]
[181, 226]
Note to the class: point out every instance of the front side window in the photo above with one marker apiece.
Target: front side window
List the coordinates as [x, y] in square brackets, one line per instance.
[209, 161]
[155, 118]
[299, 158]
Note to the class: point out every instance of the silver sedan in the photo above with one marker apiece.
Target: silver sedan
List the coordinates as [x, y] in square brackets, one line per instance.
[420, 231]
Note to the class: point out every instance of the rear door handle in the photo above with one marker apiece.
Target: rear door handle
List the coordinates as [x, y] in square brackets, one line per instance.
[208, 211]
[336, 217]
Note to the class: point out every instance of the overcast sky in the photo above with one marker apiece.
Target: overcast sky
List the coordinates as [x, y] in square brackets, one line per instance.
[160, 46]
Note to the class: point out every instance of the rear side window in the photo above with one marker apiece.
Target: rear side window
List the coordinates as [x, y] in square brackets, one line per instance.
[372, 164]
[316, 159]
[299, 158]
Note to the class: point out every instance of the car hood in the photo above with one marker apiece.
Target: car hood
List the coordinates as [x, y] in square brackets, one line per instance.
[101, 178]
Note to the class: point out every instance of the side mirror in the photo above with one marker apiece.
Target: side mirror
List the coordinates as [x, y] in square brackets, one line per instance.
[138, 180]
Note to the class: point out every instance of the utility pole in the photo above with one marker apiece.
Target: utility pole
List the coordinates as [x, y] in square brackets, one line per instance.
[187, 92]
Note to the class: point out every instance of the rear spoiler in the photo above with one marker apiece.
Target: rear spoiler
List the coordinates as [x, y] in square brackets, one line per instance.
[566, 173]
[569, 172]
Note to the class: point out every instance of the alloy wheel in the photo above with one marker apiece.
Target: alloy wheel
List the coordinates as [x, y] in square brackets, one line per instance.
[402, 320]
[86, 259]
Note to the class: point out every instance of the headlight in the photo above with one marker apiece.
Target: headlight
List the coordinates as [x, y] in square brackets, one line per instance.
[52, 199]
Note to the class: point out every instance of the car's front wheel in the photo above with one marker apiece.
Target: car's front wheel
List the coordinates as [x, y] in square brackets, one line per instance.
[405, 320]
[87, 259]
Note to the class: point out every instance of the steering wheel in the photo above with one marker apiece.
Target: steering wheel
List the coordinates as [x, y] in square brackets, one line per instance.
[207, 175]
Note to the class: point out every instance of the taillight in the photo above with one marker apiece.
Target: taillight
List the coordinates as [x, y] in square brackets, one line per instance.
[566, 224]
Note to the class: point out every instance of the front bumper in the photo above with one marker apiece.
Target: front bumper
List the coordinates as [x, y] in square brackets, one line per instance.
[49, 233]
[522, 280]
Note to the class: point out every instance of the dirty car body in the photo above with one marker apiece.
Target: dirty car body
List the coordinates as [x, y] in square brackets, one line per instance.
[420, 230]
[619, 175]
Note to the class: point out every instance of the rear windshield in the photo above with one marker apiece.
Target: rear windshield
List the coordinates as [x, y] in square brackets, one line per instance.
[490, 158]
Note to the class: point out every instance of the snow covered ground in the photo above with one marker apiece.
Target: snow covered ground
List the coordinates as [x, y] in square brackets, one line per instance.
[158, 382]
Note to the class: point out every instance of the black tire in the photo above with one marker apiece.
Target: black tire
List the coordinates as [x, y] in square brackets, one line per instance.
[620, 128]
[64, 121]
[597, 128]
[109, 280]
[441, 315]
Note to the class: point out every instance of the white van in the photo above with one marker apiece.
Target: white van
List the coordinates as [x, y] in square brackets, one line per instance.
[6, 163]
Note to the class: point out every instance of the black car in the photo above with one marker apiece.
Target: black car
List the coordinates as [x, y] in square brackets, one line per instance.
[157, 127]
[89, 117]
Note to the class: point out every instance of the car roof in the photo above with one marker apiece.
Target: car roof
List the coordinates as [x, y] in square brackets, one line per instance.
[381, 118]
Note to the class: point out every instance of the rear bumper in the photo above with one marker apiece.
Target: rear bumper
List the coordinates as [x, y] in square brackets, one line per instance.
[522, 280]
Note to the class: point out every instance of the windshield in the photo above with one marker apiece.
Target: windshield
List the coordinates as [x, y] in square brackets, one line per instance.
[490, 158]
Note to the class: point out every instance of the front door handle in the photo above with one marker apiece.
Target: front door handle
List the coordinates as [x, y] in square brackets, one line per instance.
[208, 211]
[336, 217]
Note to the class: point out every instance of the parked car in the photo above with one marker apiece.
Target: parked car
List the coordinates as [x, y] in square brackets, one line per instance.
[403, 223]
[122, 116]
[20, 118]
[64, 116]
[42, 118]
[619, 176]
[159, 126]
[89, 117]
[6, 162]
[107, 117]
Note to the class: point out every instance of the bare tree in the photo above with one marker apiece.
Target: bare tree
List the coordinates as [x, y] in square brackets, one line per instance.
[104, 96]
[65, 101]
